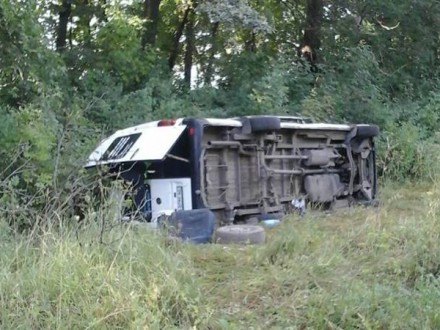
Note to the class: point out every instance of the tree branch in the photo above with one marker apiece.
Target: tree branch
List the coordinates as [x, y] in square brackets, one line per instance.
[177, 35]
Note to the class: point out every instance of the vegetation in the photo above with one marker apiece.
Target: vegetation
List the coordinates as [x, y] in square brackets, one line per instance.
[367, 268]
[71, 71]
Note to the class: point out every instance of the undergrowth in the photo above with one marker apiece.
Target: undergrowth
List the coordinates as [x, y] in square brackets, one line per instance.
[62, 282]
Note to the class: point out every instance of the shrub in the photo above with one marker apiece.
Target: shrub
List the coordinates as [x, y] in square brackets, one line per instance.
[404, 152]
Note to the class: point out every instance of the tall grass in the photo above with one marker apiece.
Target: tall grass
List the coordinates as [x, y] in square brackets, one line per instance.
[363, 268]
[59, 282]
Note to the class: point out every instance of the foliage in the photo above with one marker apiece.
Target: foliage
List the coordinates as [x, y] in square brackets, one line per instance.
[117, 52]
[27, 66]
[233, 13]
[350, 91]
[410, 148]
[404, 153]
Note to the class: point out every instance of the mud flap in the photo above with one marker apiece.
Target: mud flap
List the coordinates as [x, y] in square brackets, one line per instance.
[196, 226]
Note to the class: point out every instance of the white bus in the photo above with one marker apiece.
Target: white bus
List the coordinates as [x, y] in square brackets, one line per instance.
[241, 167]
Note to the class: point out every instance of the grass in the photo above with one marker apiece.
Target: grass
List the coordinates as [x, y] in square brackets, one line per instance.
[361, 268]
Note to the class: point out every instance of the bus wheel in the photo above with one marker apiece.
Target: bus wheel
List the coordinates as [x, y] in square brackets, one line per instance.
[367, 131]
[264, 124]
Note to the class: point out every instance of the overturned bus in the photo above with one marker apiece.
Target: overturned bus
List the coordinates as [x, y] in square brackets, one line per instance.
[241, 167]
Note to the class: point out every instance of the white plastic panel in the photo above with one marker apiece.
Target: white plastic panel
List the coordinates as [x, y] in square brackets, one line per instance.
[223, 122]
[317, 126]
[169, 195]
[139, 143]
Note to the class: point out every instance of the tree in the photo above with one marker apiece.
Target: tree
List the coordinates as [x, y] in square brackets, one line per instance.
[311, 41]
[151, 16]
[64, 13]
[175, 46]
[190, 47]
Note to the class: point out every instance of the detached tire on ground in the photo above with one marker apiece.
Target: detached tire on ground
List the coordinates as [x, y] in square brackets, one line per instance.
[240, 234]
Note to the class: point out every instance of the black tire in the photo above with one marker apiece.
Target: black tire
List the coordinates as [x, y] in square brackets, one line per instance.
[240, 234]
[262, 124]
[365, 131]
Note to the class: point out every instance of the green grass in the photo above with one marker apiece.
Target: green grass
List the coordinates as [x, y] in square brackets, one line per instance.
[361, 268]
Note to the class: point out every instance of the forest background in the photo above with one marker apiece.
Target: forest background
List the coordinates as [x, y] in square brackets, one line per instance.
[72, 71]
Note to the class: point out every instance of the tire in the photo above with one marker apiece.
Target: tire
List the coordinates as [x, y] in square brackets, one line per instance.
[240, 234]
[365, 131]
[262, 124]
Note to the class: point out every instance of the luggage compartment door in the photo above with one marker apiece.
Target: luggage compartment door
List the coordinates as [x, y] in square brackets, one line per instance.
[169, 195]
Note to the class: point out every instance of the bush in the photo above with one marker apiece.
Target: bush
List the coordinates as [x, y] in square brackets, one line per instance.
[350, 91]
[404, 152]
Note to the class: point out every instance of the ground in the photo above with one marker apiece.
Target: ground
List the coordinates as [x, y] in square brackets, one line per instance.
[362, 268]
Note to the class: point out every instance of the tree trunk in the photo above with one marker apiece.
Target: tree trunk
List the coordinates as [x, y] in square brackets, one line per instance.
[64, 16]
[151, 16]
[101, 14]
[210, 67]
[189, 51]
[88, 15]
[311, 39]
[177, 35]
[251, 43]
